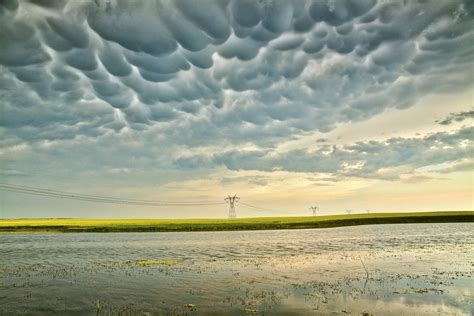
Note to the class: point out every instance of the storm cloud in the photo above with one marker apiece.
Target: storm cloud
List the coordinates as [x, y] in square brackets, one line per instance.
[181, 75]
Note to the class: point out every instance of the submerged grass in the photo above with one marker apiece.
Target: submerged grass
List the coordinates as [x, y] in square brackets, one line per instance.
[149, 262]
[259, 223]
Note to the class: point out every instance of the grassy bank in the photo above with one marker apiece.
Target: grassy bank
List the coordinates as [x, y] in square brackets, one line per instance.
[166, 225]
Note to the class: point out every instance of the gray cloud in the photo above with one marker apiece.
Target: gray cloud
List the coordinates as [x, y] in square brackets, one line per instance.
[248, 180]
[12, 173]
[415, 179]
[371, 159]
[467, 165]
[456, 117]
[183, 74]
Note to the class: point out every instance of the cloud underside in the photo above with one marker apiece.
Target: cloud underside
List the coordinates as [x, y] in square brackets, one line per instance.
[388, 160]
[194, 74]
[456, 117]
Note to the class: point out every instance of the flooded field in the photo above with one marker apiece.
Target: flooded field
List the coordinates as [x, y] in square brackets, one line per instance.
[411, 269]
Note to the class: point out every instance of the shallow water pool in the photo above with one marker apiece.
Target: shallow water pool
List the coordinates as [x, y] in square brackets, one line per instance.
[411, 269]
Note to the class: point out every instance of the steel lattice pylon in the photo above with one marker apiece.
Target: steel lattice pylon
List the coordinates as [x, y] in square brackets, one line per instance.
[231, 200]
[314, 209]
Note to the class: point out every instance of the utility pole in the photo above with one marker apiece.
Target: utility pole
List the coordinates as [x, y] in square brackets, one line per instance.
[314, 209]
[231, 200]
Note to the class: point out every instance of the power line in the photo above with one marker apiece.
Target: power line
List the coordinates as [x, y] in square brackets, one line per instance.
[36, 191]
[256, 207]
[111, 201]
[260, 209]
[95, 198]
[79, 198]
[70, 197]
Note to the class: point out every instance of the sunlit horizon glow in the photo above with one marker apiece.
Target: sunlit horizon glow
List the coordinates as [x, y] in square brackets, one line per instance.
[347, 105]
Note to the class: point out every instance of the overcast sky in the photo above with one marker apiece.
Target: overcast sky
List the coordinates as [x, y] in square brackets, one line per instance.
[351, 104]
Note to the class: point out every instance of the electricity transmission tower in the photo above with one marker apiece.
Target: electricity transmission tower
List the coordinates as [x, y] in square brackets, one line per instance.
[314, 209]
[231, 200]
[349, 212]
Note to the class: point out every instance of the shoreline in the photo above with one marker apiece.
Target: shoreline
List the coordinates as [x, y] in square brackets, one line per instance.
[70, 225]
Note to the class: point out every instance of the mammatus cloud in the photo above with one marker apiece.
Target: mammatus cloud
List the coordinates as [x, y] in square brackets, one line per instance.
[148, 80]
[290, 66]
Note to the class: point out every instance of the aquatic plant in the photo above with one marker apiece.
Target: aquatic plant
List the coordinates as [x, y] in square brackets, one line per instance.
[98, 307]
[149, 262]
[191, 307]
[251, 310]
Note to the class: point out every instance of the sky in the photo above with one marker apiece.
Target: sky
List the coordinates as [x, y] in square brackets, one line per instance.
[345, 105]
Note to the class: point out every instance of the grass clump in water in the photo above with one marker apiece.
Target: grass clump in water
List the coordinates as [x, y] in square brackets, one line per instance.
[191, 307]
[252, 311]
[150, 262]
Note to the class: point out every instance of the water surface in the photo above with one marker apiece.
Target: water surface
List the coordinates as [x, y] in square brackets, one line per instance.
[412, 269]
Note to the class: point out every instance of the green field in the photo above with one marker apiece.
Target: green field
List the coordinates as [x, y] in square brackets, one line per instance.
[166, 225]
